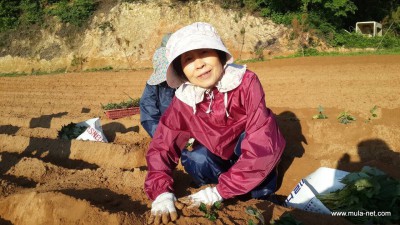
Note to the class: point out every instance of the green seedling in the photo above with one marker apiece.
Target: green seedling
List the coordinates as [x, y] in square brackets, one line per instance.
[254, 212]
[345, 118]
[286, 219]
[121, 105]
[320, 114]
[210, 213]
[372, 113]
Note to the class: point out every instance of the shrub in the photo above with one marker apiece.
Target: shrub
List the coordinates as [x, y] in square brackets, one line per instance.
[31, 12]
[76, 12]
[9, 13]
[353, 40]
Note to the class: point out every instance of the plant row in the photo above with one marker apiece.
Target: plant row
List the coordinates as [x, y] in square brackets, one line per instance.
[345, 117]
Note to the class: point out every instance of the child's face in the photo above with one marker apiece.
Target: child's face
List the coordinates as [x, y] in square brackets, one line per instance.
[202, 67]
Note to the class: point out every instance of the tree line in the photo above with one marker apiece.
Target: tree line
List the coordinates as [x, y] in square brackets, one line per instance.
[332, 20]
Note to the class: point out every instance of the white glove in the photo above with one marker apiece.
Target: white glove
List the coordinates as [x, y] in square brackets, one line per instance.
[163, 208]
[207, 196]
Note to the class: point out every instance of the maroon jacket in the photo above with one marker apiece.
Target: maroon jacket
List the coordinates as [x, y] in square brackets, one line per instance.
[261, 148]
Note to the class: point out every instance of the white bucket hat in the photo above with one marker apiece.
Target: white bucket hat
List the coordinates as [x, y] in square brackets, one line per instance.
[194, 36]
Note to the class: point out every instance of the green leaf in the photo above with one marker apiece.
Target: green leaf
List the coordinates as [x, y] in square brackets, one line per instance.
[217, 204]
[203, 208]
[211, 216]
[373, 171]
[367, 190]
[71, 131]
[373, 109]
[345, 118]
[251, 211]
[254, 212]
[250, 222]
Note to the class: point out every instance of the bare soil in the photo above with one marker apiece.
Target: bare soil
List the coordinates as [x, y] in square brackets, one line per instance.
[45, 180]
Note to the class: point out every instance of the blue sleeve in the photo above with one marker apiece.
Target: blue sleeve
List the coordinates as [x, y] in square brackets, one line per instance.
[150, 113]
[166, 94]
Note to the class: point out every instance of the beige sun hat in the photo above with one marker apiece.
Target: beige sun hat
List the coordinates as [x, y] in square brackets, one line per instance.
[194, 36]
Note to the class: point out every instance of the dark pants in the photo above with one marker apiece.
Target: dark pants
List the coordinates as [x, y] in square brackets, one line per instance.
[205, 168]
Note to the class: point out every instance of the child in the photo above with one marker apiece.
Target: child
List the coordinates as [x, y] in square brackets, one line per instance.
[222, 106]
[157, 95]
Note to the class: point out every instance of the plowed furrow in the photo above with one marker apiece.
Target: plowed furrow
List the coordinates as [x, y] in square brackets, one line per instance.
[8, 124]
[96, 95]
[36, 111]
[51, 208]
[88, 153]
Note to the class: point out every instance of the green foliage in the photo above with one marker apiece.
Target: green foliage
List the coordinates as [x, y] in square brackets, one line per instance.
[210, 212]
[353, 40]
[33, 72]
[13, 74]
[26, 12]
[369, 190]
[130, 1]
[307, 52]
[339, 8]
[254, 212]
[394, 20]
[76, 12]
[251, 222]
[107, 68]
[122, 105]
[31, 12]
[372, 111]
[282, 18]
[320, 114]
[345, 118]
[230, 4]
[9, 14]
[71, 131]
[286, 219]
[372, 114]
[328, 18]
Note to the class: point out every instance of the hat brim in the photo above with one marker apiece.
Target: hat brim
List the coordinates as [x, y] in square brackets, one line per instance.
[160, 63]
[192, 43]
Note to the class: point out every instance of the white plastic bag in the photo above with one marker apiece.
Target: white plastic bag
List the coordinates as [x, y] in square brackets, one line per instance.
[94, 132]
[324, 180]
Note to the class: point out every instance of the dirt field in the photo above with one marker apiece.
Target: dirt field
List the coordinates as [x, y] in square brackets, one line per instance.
[45, 180]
